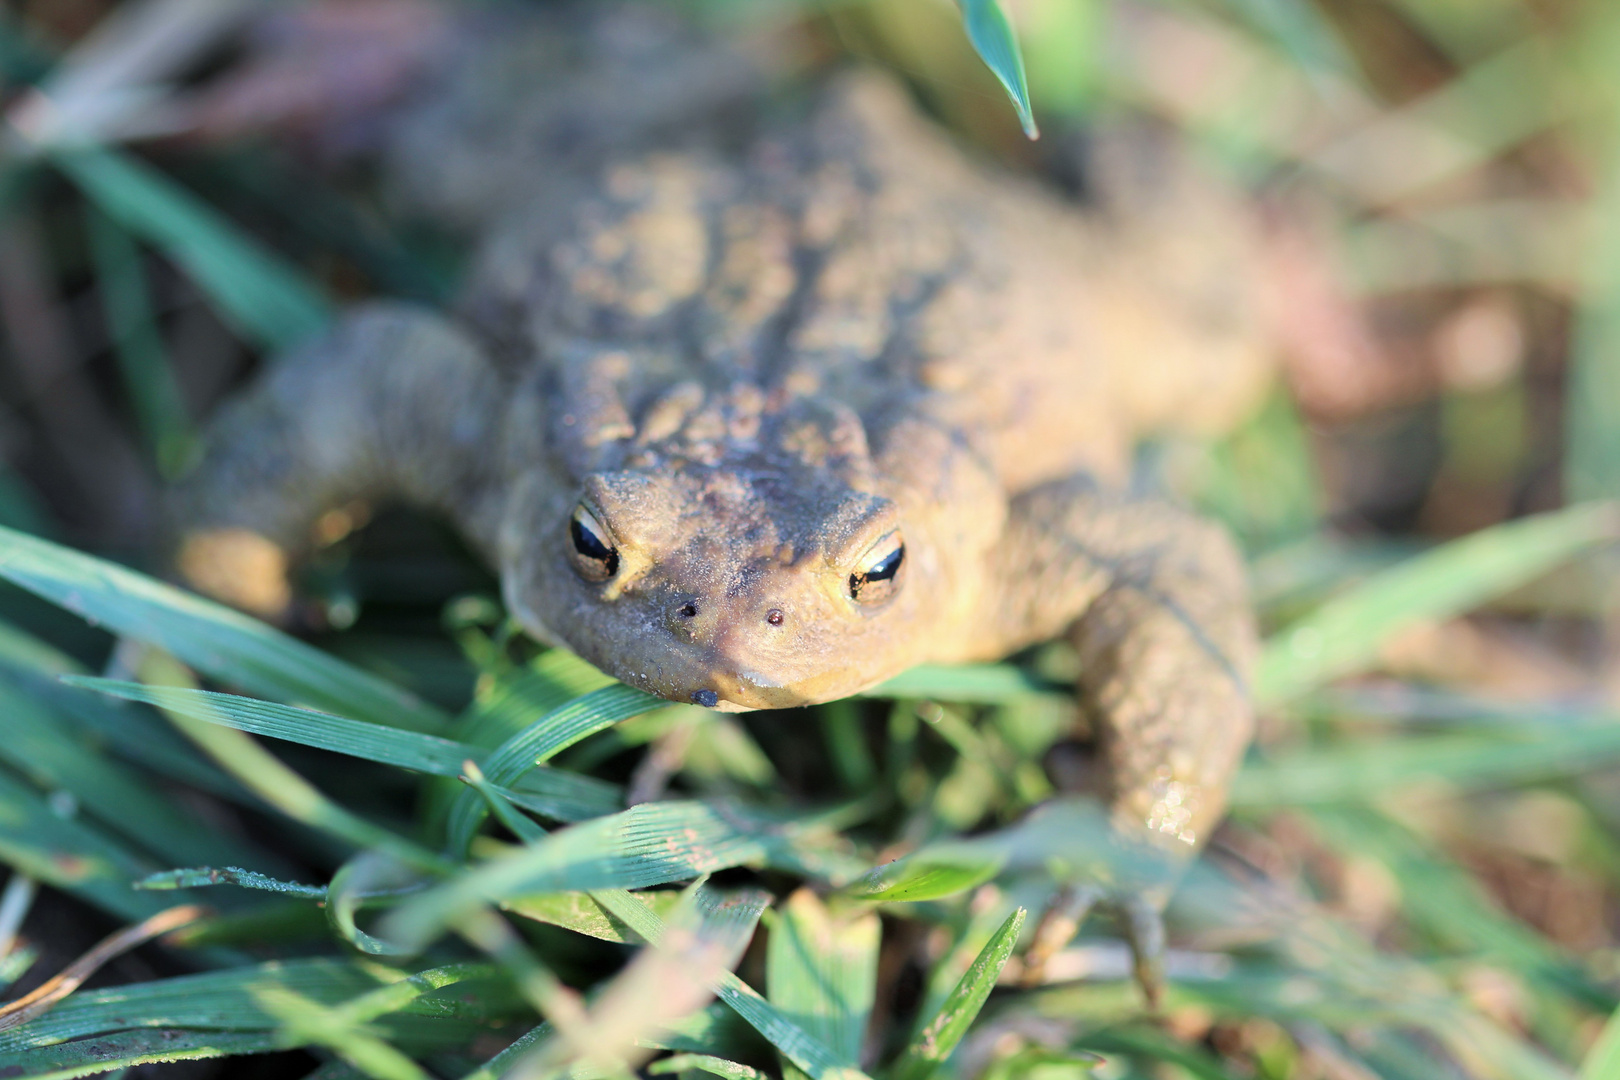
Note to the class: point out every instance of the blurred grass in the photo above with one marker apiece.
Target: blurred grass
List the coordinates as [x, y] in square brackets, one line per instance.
[1361, 916]
[273, 305]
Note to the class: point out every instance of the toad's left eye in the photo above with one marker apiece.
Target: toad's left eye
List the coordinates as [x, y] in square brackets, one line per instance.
[592, 552]
[877, 579]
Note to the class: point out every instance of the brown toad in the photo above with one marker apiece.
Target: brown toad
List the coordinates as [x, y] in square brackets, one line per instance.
[761, 425]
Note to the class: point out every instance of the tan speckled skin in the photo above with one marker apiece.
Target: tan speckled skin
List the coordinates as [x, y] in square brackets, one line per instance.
[750, 366]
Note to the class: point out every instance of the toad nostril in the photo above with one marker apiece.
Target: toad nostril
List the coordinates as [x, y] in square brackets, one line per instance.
[774, 617]
[682, 620]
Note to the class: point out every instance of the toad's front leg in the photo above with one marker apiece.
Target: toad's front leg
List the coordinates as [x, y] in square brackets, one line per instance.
[393, 403]
[1155, 600]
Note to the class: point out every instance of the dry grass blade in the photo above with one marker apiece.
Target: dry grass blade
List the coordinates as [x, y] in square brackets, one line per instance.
[795, 1044]
[116, 73]
[671, 978]
[47, 994]
[1457, 128]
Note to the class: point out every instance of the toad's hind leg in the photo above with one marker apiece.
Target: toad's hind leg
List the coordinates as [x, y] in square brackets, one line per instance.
[1155, 601]
[393, 403]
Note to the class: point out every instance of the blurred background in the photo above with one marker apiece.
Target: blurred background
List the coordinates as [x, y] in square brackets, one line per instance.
[1428, 833]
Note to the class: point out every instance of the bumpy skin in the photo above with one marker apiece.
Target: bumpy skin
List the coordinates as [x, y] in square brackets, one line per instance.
[753, 369]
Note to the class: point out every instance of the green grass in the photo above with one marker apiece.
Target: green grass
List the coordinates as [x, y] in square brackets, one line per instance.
[437, 882]
[419, 892]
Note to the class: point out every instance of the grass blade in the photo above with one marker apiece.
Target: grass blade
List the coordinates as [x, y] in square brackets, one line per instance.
[369, 874]
[1592, 396]
[1460, 126]
[978, 684]
[1489, 757]
[821, 971]
[229, 1001]
[339, 734]
[230, 875]
[32, 668]
[792, 1041]
[143, 359]
[564, 796]
[584, 914]
[540, 741]
[1344, 634]
[714, 1066]
[1068, 838]
[670, 980]
[647, 845]
[981, 924]
[1301, 32]
[1444, 900]
[552, 680]
[219, 642]
[993, 38]
[928, 879]
[1603, 1060]
[127, 1049]
[501, 1064]
[309, 1023]
[70, 855]
[42, 747]
[279, 786]
[938, 1039]
[565, 726]
[137, 736]
[716, 1030]
[263, 298]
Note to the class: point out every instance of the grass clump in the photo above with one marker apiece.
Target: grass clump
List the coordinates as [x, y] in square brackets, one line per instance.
[433, 928]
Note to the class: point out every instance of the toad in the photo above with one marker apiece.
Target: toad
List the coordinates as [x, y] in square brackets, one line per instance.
[762, 425]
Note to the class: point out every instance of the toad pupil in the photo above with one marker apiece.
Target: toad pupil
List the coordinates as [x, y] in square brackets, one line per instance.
[883, 570]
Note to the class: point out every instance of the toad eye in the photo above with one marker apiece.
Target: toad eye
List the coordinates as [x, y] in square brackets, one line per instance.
[878, 578]
[593, 554]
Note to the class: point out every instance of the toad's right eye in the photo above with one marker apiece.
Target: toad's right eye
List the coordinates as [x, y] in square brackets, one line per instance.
[592, 553]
